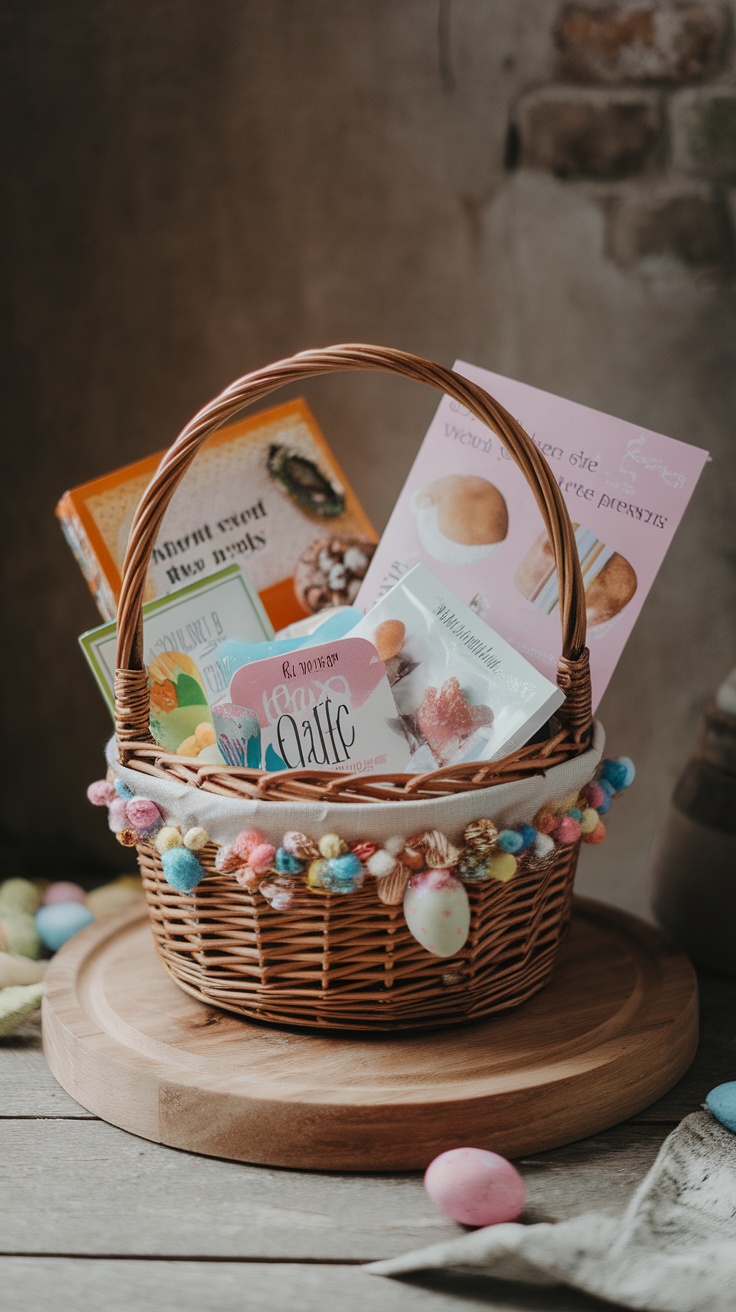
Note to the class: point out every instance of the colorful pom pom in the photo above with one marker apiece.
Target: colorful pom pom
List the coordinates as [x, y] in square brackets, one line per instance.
[595, 795]
[279, 893]
[245, 842]
[300, 846]
[481, 835]
[629, 771]
[248, 878]
[181, 869]
[473, 865]
[101, 793]
[567, 830]
[196, 838]
[575, 813]
[262, 858]
[142, 814]
[122, 790]
[127, 837]
[286, 863]
[330, 845]
[501, 866]
[607, 787]
[597, 835]
[605, 805]
[615, 773]
[116, 816]
[544, 845]
[167, 838]
[545, 822]
[346, 867]
[589, 820]
[316, 873]
[394, 846]
[381, 864]
[509, 841]
[527, 834]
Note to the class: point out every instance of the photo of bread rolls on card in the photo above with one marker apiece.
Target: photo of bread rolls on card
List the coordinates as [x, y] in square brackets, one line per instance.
[461, 518]
[608, 578]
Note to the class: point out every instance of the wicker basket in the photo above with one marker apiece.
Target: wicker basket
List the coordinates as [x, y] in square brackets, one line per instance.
[350, 962]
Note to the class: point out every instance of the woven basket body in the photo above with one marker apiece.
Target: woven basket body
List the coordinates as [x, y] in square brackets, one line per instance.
[350, 962]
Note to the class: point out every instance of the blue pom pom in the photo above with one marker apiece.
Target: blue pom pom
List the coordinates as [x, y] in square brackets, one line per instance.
[575, 813]
[615, 773]
[604, 807]
[287, 863]
[628, 765]
[527, 834]
[346, 867]
[182, 869]
[608, 787]
[510, 841]
[123, 790]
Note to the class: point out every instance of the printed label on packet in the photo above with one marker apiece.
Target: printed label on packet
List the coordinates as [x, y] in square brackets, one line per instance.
[328, 707]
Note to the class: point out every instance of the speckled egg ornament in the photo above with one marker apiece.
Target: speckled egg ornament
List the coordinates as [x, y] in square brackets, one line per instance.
[475, 1187]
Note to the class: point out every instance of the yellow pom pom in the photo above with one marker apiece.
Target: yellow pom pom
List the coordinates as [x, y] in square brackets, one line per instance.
[204, 734]
[501, 866]
[331, 846]
[167, 838]
[315, 874]
[589, 820]
[197, 838]
[189, 747]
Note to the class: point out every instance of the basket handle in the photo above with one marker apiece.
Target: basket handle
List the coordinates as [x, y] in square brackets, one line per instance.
[131, 683]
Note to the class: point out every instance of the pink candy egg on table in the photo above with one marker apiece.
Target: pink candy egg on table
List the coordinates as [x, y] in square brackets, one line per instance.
[63, 891]
[475, 1187]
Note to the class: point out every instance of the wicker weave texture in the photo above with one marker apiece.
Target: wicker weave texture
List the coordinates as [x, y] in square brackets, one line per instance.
[350, 962]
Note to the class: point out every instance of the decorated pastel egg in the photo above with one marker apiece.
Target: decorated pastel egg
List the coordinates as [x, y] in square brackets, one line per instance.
[437, 911]
[475, 1187]
[59, 921]
[62, 890]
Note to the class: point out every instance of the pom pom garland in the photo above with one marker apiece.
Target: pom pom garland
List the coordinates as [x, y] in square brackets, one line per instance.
[330, 865]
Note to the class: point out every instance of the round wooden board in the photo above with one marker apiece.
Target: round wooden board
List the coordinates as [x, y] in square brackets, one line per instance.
[613, 1031]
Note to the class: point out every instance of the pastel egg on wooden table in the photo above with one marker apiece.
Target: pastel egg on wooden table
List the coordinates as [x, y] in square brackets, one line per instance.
[57, 923]
[62, 890]
[475, 1187]
[437, 911]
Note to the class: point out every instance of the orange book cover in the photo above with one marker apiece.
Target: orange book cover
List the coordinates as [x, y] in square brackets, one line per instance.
[265, 492]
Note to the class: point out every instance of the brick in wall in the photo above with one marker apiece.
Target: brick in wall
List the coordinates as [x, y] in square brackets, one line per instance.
[676, 224]
[576, 133]
[646, 42]
[703, 126]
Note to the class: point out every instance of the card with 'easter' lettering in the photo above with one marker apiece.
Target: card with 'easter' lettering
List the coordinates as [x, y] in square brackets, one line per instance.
[328, 706]
[467, 512]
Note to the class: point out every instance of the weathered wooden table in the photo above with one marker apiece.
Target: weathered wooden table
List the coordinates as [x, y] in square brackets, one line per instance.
[93, 1218]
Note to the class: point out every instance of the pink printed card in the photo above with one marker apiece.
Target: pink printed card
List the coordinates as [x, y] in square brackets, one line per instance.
[467, 512]
[328, 706]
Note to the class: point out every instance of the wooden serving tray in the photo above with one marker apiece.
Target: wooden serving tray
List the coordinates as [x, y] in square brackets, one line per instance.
[613, 1031]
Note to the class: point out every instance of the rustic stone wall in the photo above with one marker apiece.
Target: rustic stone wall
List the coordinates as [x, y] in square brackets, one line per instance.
[545, 188]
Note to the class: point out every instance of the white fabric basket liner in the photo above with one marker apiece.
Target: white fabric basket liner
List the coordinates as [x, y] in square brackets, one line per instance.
[225, 817]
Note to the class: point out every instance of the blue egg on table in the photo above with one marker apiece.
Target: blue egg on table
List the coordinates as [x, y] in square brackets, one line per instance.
[61, 921]
[721, 1103]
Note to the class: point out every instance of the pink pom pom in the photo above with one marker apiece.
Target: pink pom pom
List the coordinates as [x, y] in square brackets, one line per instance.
[246, 841]
[262, 858]
[595, 795]
[143, 814]
[101, 793]
[568, 830]
[116, 816]
[597, 835]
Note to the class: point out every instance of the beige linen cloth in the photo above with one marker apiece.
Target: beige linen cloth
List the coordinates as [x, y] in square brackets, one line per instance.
[673, 1250]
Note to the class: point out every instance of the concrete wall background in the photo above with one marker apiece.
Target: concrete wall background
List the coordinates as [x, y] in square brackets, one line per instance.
[192, 190]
